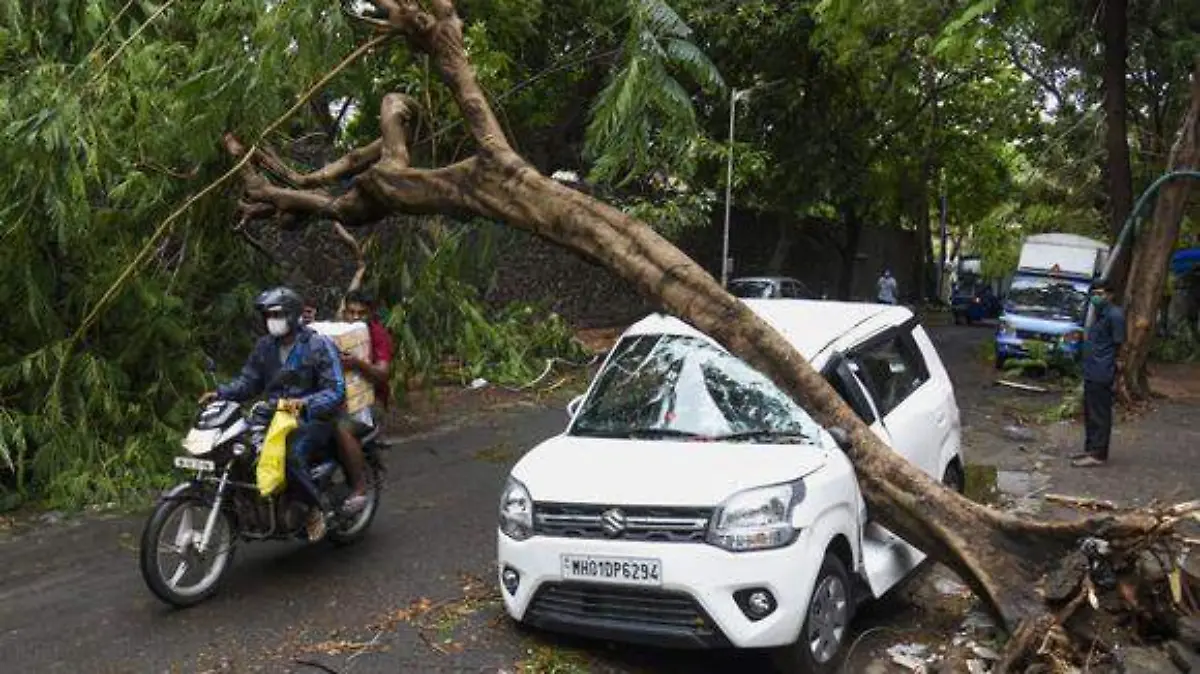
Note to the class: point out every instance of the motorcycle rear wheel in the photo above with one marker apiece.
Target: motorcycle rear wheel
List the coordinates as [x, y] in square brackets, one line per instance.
[175, 528]
[355, 528]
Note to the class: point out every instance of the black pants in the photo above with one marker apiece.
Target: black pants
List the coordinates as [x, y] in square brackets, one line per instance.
[1097, 417]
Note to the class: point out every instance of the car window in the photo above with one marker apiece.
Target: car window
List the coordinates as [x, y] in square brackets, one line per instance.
[892, 370]
[684, 386]
[801, 291]
[843, 382]
[752, 289]
[790, 290]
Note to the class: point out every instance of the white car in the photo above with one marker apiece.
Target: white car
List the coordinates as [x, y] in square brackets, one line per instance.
[691, 503]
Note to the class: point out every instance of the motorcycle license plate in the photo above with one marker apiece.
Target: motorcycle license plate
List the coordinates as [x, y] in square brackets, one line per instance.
[617, 570]
[188, 463]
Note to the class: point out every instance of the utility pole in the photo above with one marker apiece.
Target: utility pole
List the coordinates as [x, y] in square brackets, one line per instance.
[735, 95]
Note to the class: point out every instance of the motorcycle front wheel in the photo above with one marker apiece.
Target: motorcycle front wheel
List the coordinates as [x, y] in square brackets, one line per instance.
[173, 566]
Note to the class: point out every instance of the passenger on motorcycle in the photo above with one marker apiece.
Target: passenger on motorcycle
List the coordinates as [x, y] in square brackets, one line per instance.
[301, 371]
[360, 306]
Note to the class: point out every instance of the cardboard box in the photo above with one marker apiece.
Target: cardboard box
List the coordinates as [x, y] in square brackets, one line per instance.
[352, 338]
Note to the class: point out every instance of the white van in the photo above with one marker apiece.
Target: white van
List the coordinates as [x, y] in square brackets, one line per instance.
[691, 503]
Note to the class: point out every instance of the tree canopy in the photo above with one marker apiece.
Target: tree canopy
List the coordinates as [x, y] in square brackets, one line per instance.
[859, 112]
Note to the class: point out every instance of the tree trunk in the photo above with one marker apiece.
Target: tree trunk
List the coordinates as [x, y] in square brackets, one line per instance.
[1152, 252]
[1120, 178]
[1001, 556]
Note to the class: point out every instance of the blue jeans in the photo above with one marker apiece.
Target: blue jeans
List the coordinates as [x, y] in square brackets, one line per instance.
[306, 439]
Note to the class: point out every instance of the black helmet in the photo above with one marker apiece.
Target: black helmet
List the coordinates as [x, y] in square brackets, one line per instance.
[285, 299]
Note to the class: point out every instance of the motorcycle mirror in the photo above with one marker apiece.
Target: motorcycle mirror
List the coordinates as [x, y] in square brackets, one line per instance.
[841, 437]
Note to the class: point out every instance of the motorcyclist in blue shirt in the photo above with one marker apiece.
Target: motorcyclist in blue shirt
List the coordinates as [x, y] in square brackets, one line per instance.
[299, 370]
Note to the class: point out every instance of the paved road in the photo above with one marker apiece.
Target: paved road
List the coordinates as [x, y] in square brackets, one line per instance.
[71, 598]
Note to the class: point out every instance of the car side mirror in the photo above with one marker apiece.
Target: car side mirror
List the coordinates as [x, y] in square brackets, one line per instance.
[841, 437]
[573, 406]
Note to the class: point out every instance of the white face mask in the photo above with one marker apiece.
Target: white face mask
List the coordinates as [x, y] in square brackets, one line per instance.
[278, 327]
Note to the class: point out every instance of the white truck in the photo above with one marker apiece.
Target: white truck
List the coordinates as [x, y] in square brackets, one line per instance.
[1047, 299]
[1064, 255]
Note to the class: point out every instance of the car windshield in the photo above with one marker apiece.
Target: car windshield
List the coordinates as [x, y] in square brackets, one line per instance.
[679, 387]
[751, 289]
[1047, 298]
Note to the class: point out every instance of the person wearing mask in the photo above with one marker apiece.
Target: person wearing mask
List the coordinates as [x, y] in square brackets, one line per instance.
[886, 288]
[376, 369]
[299, 371]
[1104, 340]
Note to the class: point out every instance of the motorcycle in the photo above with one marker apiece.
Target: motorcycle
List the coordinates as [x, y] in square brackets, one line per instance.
[188, 542]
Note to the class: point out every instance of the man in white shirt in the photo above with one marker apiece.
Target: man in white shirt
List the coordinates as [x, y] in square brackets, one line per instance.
[887, 289]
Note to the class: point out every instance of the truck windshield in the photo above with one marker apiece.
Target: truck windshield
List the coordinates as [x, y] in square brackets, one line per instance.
[1047, 298]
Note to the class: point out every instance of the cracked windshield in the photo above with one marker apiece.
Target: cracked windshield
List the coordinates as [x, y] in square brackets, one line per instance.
[683, 387]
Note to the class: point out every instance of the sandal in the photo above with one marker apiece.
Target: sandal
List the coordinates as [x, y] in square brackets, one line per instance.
[354, 504]
[1088, 462]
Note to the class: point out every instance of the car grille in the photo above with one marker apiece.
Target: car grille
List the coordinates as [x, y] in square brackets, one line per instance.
[641, 523]
[624, 612]
[1038, 336]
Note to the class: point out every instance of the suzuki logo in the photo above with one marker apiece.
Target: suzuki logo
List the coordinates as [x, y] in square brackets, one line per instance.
[613, 522]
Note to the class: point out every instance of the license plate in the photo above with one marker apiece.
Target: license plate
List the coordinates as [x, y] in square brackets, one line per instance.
[619, 570]
[189, 463]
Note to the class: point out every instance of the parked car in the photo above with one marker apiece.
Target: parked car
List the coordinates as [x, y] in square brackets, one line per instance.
[691, 503]
[973, 300]
[770, 287]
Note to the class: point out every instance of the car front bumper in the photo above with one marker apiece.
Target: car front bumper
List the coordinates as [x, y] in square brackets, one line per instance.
[693, 608]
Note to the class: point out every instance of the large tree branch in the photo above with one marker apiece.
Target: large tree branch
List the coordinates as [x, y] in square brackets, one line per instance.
[354, 162]
[1001, 556]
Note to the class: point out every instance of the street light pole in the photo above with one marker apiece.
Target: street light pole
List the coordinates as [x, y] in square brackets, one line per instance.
[733, 97]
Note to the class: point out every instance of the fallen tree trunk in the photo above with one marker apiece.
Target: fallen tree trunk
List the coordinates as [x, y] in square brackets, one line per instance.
[1001, 556]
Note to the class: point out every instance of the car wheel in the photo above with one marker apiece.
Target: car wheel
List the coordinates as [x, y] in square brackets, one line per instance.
[954, 478]
[821, 646]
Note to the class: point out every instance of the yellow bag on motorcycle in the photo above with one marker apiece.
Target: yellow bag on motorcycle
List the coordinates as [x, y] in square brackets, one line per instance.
[272, 460]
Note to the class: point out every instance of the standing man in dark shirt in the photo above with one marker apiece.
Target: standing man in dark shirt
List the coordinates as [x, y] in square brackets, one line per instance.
[1104, 340]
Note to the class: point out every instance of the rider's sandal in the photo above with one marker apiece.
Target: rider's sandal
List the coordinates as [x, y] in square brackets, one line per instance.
[354, 504]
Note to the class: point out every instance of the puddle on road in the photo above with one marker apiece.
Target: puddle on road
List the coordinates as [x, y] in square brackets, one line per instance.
[987, 484]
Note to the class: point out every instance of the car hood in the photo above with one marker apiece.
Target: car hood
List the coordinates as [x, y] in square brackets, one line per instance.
[1045, 326]
[572, 469]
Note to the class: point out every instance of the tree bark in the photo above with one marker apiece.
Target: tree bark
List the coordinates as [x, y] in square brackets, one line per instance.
[1152, 252]
[1001, 556]
[1120, 176]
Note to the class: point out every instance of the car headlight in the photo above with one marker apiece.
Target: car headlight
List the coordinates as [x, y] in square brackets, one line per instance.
[516, 511]
[757, 519]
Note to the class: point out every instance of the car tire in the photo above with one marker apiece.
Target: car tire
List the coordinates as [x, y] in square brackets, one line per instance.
[954, 478]
[822, 644]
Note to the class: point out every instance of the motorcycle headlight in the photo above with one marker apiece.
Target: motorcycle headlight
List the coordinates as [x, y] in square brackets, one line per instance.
[516, 511]
[757, 519]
